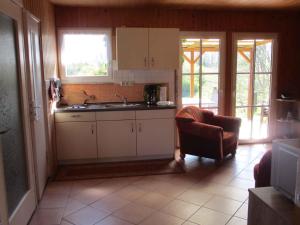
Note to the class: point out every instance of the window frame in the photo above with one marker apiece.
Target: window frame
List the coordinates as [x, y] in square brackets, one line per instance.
[207, 35]
[85, 79]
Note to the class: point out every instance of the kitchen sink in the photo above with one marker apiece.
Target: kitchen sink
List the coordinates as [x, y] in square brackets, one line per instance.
[121, 105]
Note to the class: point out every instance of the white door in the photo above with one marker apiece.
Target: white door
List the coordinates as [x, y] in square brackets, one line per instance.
[155, 137]
[17, 180]
[254, 76]
[163, 48]
[76, 140]
[132, 48]
[116, 138]
[36, 94]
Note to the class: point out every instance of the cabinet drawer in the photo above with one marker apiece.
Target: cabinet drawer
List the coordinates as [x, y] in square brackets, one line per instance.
[155, 114]
[74, 117]
[116, 115]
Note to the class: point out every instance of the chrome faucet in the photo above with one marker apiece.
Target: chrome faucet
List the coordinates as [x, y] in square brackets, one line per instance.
[123, 98]
[89, 97]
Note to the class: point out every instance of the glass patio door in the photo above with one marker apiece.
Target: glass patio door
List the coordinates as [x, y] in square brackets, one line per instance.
[17, 195]
[201, 71]
[253, 84]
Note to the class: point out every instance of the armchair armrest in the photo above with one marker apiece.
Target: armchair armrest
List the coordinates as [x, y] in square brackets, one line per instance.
[202, 130]
[228, 123]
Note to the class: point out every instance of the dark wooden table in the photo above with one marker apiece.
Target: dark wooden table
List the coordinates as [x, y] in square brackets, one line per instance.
[269, 207]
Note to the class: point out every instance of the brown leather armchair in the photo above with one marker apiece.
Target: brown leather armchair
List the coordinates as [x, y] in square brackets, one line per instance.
[202, 133]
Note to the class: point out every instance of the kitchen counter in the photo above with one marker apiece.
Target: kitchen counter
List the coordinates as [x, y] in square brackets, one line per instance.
[112, 107]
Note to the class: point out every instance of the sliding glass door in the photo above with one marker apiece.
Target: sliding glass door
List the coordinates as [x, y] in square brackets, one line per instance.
[201, 69]
[253, 85]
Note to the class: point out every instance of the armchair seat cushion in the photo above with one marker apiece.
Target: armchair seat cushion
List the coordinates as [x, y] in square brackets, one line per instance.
[229, 139]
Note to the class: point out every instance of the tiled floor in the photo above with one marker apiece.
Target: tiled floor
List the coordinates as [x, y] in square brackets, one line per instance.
[207, 194]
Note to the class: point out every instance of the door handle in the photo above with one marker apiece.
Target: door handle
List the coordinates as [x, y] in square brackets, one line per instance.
[75, 116]
[4, 131]
[152, 61]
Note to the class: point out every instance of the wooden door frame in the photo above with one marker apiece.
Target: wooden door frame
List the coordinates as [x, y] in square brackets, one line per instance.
[28, 203]
[273, 109]
[28, 20]
[206, 35]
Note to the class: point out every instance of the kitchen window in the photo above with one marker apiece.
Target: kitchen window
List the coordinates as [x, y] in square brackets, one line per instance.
[85, 55]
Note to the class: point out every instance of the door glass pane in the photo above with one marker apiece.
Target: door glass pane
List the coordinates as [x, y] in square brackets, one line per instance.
[201, 72]
[245, 130]
[262, 87]
[210, 55]
[242, 89]
[260, 122]
[210, 87]
[13, 147]
[263, 56]
[244, 55]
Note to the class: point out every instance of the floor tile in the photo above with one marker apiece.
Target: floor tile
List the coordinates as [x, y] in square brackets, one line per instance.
[161, 218]
[111, 220]
[237, 221]
[189, 223]
[153, 200]
[47, 216]
[195, 196]
[209, 217]
[73, 206]
[86, 216]
[242, 183]
[91, 195]
[110, 203]
[53, 200]
[133, 213]
[205, 195]
[223, 205]
[180, 209]
[242, 212]
[130, 193]
[63, 222]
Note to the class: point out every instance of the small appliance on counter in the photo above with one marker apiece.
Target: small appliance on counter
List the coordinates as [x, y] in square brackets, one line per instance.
[151, 94]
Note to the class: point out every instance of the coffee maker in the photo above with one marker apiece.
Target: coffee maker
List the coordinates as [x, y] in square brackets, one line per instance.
[151, 94]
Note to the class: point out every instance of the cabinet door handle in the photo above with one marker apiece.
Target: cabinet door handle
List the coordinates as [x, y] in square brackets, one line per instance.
[132, 127]
[92, 129]
[152, 61]
[145, 61]
[140, 127]
[75, 116]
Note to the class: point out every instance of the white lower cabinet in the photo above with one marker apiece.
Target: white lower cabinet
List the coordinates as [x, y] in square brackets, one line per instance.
[115, 135]
[155, 137]
[116, 139]
[76, 140]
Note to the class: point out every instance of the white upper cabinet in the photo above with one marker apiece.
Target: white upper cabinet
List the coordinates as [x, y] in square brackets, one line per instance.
[132, 48]
[147, 48]
[163, 48]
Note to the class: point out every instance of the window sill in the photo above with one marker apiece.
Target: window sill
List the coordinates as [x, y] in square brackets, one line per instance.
[86, 80]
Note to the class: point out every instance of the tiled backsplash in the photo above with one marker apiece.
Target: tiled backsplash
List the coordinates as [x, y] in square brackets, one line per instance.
[73, 93]
[106, 92]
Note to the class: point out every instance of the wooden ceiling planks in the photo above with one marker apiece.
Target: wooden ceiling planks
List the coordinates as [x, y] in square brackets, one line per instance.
[246, 4]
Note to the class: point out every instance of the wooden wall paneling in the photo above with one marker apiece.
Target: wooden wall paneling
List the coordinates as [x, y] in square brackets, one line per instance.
[281, 22]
